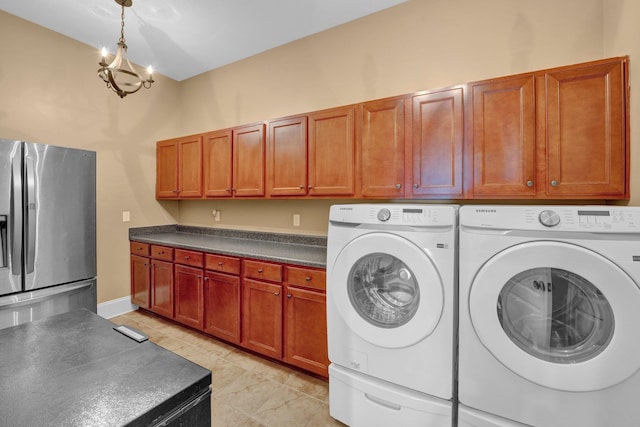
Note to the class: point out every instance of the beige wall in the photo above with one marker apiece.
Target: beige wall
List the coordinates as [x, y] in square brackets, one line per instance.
[50, 94]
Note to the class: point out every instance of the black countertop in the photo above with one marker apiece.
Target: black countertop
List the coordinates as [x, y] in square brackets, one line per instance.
[310, 251]
[74, 369]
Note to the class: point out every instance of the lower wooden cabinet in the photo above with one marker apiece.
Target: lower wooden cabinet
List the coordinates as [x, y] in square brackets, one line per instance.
[222, 306]
[273, 309]
[262, 317]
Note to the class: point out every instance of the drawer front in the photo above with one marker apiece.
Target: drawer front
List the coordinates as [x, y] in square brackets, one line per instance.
[162, 252]
[138, 248]
[263, 271]
[308, 278]
[192, 258]
[224, 264]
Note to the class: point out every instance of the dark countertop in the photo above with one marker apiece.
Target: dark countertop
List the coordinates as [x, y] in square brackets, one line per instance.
[310, 251]
[74, 369]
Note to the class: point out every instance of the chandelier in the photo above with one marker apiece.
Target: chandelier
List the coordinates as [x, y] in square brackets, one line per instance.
[120, 76]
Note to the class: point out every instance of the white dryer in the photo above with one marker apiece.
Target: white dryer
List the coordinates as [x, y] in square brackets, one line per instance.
[391, 279]
[549, 316]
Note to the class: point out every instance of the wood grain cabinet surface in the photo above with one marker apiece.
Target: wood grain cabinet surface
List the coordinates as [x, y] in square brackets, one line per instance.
[179, 168]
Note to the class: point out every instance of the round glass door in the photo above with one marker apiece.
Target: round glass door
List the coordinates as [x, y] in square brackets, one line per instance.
[387, 290]
[383, 290]
[557, 314]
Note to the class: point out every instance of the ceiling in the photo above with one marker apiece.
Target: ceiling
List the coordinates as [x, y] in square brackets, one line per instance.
[183, 38]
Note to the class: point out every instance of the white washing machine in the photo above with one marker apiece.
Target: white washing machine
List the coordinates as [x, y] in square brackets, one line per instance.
[391, 288]
[549, 316]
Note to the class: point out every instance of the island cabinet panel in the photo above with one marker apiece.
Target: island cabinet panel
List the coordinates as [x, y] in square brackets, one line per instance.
[437, 139]
[332, 152]
[585, 130]
[248, 161]
[381, 148]
[262, 317]
[222, 306]
[179, 168]
[287, 157]
[217, 164]
[503, 136]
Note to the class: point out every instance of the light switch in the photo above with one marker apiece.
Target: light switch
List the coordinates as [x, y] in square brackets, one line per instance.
[296, 220]
[126, 216]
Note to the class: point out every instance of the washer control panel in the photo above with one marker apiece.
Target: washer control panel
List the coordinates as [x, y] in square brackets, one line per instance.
[395, 214]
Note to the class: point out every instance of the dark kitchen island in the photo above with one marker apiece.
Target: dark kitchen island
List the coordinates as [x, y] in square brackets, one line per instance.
[75, 369]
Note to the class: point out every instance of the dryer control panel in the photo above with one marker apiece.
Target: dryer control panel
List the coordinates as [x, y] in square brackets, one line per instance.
[594, 219]
[394, 214]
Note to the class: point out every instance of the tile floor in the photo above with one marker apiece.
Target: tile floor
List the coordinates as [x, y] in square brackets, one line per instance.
[247, 390]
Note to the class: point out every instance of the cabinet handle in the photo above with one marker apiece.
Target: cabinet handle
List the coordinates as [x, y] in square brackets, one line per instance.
[276, 293]
[289, 296]
[415, 185]
[554, 183]
[529, 183]
[308, 278]
[220, 264]
[398, 186]
[260, 270]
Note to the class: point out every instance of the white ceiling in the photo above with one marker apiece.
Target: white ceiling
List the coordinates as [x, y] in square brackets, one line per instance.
[183, 38]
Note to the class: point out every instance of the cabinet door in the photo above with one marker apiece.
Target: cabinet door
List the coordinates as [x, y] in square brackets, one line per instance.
[437, 140]
[248, 161]
[586, 131]
[217, 164]
[381, 148]
[262, 317]
[162, 288]
[222, 306]
[188, 295]
[140, 281]
[306, 330]
[190, 167]
[503, 137]
[167, 169]
[331, 152]
[287, 157]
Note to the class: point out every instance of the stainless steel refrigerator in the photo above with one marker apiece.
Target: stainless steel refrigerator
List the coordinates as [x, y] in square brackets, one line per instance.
[47, 231]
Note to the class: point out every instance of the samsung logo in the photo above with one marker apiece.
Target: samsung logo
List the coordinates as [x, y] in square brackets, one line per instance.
[346, 209]
[486, 210]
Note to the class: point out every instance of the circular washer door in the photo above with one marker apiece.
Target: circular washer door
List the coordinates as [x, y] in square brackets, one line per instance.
[559, 315]
[387, 290]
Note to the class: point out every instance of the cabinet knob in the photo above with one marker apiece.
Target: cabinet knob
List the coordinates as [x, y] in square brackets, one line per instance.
[206, 278]
[276, 293]
[233, 189]
[260, 270]
[220, 264]
[415, 185]
[308, 278]
[228, 190]
[529, 183]
[289, 296]
[309, 187]
[554, 183]
[398, 186]
[302, 187]
[186, 257]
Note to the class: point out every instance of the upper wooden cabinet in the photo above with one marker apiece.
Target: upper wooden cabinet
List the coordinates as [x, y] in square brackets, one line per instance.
[332, 152]
[586, 133]
[234, 162]
[287, 157]
[179, 168]
[436, 155]
[381, 148]
[559, 133]
[217, 163]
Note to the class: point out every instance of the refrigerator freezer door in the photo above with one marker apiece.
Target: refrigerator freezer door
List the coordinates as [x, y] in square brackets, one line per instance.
[59, 216]
[10, 216]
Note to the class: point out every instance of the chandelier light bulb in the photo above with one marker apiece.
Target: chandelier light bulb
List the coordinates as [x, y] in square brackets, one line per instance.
[120, 75]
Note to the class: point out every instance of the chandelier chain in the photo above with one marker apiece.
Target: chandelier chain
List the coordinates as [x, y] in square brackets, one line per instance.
[122, 24]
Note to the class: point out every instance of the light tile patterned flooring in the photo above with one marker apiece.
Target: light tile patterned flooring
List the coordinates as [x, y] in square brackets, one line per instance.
[247, 390]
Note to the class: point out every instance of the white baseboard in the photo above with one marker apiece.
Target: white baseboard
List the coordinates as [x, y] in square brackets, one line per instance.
[116, 307]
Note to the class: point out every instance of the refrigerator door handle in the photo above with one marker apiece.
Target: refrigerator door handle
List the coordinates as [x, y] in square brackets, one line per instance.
[31, 219]
[15, 216]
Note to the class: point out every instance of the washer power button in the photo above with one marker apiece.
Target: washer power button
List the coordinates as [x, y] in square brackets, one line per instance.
[549, 218]
[384, 214]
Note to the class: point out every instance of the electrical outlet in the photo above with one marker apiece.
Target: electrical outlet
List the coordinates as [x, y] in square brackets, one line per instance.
[296, 220]
[126, 216]
[216, 215]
